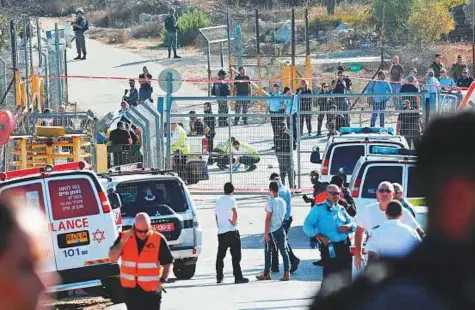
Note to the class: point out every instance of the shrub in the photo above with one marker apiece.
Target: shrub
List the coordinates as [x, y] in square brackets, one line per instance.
[188, 25]
[357, 16]
[430, 21]
[118, 36]
[393, 15]
[147, 30]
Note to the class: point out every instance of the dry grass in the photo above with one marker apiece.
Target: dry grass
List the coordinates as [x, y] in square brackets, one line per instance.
[147, 30]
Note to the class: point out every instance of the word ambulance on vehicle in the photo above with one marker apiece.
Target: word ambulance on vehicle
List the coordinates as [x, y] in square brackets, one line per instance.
[392, 165]
[81, 227]
[166, 199]
[343, 152]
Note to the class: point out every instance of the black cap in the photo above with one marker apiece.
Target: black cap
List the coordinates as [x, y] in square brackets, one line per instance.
[286, 89]
[394, 209]
[221, 72]
[438, 55]
[274, 176]
[314, 174]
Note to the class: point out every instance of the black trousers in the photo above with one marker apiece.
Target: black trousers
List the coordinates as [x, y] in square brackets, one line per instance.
[138, 299]
[241, 108]
[307, 118]
[275, 254]
[229, 240]
[320, 120]
[341, 262]
[223, 109]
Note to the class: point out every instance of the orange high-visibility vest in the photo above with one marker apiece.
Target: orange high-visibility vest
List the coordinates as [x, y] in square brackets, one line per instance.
[143, 269]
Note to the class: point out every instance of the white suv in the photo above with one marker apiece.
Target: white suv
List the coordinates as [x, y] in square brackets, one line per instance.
[165, 197]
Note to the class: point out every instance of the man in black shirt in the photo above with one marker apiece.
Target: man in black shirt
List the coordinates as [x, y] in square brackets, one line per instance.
[466, 80]
[324, 105]
[210, 121]
[131, 95]
[137, 298]
[339, 86]
[146, 89]
[221, 89]
[132, 134]
[305, 106]
[120, 136]
[409, 124]
[410, 87]
[242, 89]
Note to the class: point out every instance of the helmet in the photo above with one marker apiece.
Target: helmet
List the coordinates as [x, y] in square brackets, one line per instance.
[274, 177]
[80, 10]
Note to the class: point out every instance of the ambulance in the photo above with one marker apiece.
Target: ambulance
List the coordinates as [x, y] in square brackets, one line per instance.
[81, 227]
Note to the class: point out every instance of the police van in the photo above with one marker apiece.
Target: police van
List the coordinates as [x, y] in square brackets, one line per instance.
[392, 165]
[166, 199]
[81, 226]
[343, 151]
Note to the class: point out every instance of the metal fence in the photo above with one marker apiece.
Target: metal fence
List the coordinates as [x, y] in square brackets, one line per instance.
[283, 142]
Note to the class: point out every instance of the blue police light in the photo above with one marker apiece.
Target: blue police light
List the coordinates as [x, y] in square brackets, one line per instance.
[366, 130]
[393, 151]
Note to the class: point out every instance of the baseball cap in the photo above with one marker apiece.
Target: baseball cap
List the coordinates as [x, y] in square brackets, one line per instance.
[276, 85]
[274, 176]
[438, 55]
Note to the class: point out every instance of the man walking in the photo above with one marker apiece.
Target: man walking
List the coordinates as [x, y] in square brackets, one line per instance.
[228, 234]
[392, 238]
[172, 29]
[80, 26]
[274, 234]
[221, 89]
[329, 224]
[243, 89]
[285, 194]
[145, 264]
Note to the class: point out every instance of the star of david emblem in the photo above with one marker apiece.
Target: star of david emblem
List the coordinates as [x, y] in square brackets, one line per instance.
[98, 235]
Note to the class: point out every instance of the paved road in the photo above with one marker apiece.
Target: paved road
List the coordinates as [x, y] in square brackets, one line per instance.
[202, 292]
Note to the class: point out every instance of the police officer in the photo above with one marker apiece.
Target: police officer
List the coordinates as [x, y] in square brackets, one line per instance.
[172, 29]
[283, 151]
[145, 264]
[285, 194]
[330, 225]
[179, 146]
[80, 26]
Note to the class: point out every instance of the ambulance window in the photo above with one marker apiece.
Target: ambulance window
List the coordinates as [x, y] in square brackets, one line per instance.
[377, 174]
[72, 198]
[413, 187]
[30, 194]
[345, 157]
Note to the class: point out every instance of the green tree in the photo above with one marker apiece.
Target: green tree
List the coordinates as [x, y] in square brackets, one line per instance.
[4, 32]
[188, 26]
[431, 20]
[392, 16]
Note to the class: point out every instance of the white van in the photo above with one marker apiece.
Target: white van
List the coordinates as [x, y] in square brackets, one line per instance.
[392, 165]
[342, 152]
[81, 226]
[165, 197]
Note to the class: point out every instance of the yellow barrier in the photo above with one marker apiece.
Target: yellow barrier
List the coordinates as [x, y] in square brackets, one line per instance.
[101, 158]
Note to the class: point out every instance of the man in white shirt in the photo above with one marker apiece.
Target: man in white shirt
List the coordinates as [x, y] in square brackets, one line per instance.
[373, 215]
[392, 238]
[274, 233]
[228, 234]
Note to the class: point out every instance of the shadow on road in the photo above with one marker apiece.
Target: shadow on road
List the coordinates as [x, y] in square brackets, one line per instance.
[297, 240]
[136, 63]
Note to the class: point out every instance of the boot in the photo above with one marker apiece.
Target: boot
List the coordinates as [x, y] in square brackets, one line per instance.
[79, 57]
[286, 276]
[295, 265]
[83, 57]
[264, 276]
[169, 53]
[175, 55]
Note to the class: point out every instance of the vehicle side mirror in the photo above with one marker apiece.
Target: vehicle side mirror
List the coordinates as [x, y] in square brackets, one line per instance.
[315, 156]
[114, 200]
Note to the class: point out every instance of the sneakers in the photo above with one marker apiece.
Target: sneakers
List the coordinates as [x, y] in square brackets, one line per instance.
[219, 280]
[295, 265]
[264, 277]
[176, 57]
[83, 57]
[241, 281]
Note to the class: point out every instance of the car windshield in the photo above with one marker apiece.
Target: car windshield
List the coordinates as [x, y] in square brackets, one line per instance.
[345, 158]
[148, 196]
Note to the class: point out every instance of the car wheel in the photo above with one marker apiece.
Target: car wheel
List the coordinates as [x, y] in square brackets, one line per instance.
[184, 272]
[113, 290]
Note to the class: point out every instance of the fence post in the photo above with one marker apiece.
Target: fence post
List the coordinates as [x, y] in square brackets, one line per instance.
[292, 82]
[46, 80]
[38, 36]
[25, 46]
[168, 109]
[258, 52]
[208, 55]
[230, 59]
[15, 62]
[297, 126]
[3, 77]
[58, 63]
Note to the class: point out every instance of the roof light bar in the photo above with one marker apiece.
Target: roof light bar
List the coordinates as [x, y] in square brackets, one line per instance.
[365, 130]
[393, 151]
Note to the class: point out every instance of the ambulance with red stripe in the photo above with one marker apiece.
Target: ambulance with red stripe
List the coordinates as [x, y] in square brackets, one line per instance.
[81, 224]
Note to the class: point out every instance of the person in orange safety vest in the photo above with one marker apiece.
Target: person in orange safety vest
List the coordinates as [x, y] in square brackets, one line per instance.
[145, 264]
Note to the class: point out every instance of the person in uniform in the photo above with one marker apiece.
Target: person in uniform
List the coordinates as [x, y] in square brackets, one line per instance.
[145, 264]
[440, 273]
[285, 194]
[80, 26]
[210, 122]
[248, 156]
[319, 190]
[392, 238]
[180, 147]
[283, 151]
[172, 29]
[221, 89]
[221, 153]
[330, 225]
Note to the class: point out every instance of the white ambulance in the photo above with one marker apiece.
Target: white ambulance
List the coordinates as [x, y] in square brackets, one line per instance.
[81, 226]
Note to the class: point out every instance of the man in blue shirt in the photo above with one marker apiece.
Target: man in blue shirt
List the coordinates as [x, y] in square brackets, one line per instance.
[285, 194]
[330, 225]
[379, 87]
[276, 107]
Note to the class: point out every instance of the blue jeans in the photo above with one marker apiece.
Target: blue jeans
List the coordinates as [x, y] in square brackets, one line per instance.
[279, 239]
[378, 106]
[396, 87]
